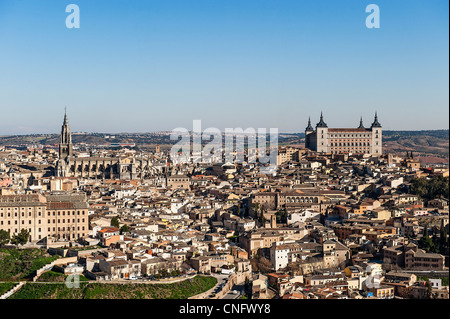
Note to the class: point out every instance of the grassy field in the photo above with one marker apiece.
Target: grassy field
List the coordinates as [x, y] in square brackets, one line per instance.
[19, 264]
[53, 276]
[6, 286]
[179, 290]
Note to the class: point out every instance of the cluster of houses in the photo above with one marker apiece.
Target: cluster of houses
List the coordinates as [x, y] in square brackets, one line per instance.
[312, 230]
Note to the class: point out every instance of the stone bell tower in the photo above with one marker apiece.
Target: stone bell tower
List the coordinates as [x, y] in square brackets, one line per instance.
[65, 148]
[65, 145]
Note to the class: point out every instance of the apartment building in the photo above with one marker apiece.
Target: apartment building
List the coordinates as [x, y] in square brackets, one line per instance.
[413, 258]
[61, 217]
[67, 216]
[28, 212]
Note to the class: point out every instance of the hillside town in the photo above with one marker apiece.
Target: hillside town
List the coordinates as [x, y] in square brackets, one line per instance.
[325, 225]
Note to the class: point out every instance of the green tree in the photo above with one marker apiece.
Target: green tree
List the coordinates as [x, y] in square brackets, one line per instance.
[164, 273]
[246, 211]
[262, 219]
[115, 222]
[4, 237]
[175, 273]
[427, 189]
[425, 231]
[443, 240]
[246, 282]
[20, 238]
[124, 229]
[281, 217]
[429, 289]
[426, 243]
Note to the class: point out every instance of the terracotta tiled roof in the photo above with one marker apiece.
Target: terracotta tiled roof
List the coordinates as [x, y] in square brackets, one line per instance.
[109, 229]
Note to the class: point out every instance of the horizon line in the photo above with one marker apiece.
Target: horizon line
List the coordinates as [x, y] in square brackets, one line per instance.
[168, 131]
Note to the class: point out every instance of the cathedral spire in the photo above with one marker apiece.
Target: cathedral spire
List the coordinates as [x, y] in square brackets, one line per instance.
[65, 146]
[65, 116]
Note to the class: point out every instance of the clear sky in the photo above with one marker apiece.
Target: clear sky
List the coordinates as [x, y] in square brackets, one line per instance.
[143, 66]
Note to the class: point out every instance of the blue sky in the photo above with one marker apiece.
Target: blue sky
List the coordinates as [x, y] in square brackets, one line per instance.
[142, 66]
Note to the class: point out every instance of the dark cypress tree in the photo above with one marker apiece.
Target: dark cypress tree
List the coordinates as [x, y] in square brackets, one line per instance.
[443, 239]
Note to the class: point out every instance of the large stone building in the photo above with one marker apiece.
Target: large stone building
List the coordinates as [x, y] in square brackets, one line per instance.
[413, 258]
[344, 140]
[60, 217]
[98, 167]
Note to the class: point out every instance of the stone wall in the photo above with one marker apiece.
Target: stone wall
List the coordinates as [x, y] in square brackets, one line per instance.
[57, 262]
[234, 279]
[12, 291]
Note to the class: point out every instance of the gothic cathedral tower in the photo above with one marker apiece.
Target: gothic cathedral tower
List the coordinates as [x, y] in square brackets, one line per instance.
[65, 146]
[65, 149]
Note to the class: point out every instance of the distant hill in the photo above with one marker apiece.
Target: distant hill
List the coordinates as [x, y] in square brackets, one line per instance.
[430, 146]
[420, 142]
[433, 144]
